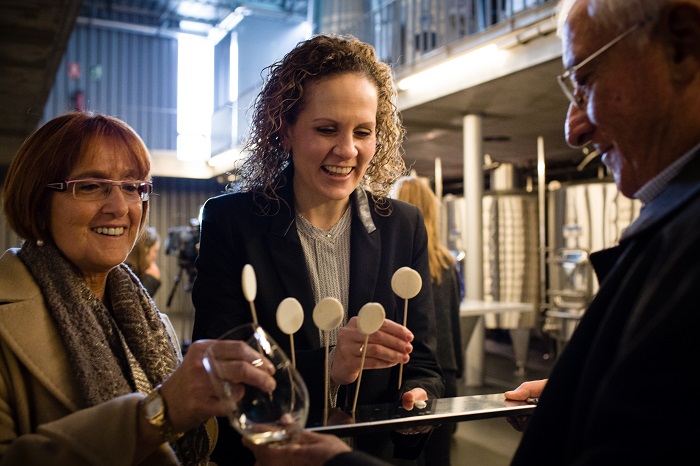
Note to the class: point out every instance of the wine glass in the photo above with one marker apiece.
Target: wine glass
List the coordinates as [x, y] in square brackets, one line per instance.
[263, 417]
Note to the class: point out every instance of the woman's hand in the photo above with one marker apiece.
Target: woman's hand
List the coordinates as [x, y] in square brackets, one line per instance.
[408, 401]
[387, 347]
[189, 394]
[409, 398]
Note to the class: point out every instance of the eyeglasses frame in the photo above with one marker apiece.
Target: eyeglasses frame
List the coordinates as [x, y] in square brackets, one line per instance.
[569, 72]
[63, 186]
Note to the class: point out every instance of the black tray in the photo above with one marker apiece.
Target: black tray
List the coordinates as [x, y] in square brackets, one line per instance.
[372, 418]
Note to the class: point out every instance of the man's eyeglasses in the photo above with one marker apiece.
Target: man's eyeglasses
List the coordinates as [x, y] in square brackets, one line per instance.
[96, 189]
[567, 80]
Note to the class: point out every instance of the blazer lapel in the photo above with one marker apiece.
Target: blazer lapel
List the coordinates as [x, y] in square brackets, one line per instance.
[365, 247]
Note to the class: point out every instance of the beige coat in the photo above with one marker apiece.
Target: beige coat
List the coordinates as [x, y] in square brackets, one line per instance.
[40, 423]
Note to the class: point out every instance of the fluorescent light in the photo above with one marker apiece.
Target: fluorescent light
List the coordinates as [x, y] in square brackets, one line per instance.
[232, 19]
[479, 57]
[228, 24]
[194, 27]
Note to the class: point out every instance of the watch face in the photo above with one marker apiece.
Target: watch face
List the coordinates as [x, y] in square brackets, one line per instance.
[154, 406]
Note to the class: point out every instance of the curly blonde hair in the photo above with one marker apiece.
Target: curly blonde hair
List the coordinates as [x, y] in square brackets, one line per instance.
[282, 99]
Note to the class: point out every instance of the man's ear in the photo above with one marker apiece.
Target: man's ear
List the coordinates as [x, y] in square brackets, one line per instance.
[681, 24]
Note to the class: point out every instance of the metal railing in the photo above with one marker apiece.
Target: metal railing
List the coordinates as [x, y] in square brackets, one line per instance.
[406, 31]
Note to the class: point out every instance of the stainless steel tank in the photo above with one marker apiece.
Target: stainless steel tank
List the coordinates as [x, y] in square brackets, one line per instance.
[582, 218]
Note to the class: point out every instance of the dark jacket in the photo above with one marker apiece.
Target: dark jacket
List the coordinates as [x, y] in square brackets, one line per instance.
[235, 233]
[623, 390]
[449, 349]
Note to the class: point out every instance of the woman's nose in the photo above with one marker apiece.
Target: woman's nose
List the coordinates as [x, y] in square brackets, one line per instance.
[116, 201]
[345, 146]
[578, 129]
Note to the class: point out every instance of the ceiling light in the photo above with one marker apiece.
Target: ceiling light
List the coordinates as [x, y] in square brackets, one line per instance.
[194, 27]
[228, 24]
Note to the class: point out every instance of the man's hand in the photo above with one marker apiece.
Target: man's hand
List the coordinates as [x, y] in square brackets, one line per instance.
[311, 449]
[530, 389]
[525, 392]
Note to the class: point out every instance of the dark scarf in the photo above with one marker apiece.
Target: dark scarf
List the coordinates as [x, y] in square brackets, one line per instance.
[112, 353]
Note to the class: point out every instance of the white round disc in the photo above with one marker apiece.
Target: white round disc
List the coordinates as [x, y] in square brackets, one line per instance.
[406, 283]
[290, 315]
[249, 283]
[370, 318]
[328, 314]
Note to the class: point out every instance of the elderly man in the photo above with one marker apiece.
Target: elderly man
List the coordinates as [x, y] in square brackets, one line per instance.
[621, 392]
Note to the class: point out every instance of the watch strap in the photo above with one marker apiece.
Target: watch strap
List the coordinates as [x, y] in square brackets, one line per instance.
[161, 420]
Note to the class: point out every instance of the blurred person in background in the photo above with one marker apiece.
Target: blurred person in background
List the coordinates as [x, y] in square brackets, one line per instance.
[142, 260]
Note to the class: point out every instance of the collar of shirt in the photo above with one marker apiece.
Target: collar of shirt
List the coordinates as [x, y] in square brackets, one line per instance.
[656, 185]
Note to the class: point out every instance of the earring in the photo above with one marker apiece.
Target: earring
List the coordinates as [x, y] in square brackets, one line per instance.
[40, 242]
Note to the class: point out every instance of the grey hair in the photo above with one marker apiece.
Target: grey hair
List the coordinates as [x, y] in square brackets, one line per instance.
[613, 15]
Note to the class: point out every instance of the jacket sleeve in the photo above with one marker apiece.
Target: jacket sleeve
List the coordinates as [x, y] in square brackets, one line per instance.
[216, 293]
[103, 435]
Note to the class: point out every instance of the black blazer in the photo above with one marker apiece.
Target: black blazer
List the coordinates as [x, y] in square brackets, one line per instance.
[623, 389]
[239, 229]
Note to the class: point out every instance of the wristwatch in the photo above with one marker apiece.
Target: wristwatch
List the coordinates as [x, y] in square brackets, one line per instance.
[156, 414]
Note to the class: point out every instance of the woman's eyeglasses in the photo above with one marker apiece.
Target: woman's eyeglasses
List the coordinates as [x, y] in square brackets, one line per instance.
[96, 189]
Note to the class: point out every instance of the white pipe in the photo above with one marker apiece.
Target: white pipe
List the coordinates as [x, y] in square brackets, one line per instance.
[541, 193]
[438, 178]
[472, 234]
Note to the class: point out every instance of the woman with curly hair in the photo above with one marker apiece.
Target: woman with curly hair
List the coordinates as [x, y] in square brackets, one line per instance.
[310, 213]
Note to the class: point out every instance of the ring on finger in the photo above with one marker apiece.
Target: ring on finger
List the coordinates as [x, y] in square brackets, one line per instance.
[258, 362]
[362, 350]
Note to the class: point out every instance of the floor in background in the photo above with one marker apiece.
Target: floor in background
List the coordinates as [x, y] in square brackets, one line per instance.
[492, 442]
